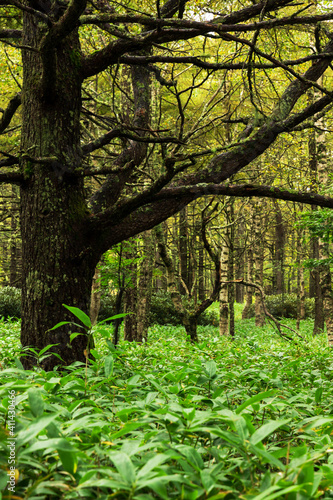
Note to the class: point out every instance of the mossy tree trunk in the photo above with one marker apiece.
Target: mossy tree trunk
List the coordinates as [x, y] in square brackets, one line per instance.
[55, 270]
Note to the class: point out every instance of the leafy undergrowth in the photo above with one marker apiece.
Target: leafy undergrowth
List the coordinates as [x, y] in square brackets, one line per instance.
[250, 418]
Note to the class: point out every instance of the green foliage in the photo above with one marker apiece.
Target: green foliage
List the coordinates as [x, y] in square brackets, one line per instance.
[108, 307]
[247, 419]
[319, 223]
[285, 306]
[163, 312]
[10, 302]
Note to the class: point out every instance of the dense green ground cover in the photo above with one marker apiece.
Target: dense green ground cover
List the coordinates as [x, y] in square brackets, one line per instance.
[250, 418]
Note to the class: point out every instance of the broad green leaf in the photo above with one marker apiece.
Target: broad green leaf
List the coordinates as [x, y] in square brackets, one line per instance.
[46, 349]
[35, 428]
[151, 464]
[269, 495]
[68, 456]
[192, 456]
[210, 368]
[124, 466]
[128, 427]
[267, 429]
[36, 402]
[108, 366]
[207, 480]
[82, 316]
[18, 364]
[62, 323]
[133, 380]
[318, 394]
[116, 316]
[74, 335]
[255, 399]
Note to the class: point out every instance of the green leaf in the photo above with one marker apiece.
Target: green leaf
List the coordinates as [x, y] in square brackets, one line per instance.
[255, 399]
[18, 364]
[128, 427]
[36, 402]
[108, 366]
[133, 380]
[267, 429]
[42, 351]
[59, 324]
[67, 455]
[74, 335]
[210, 368]
[124, 466]
[278, 494]
[82, 316]
[35, 428]
[151, 464]
[318, 394]
[116, 316]
[207, 480]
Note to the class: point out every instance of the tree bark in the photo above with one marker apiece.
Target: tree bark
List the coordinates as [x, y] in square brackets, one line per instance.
[279, 251]
[95, 301]
[145, 285]
[55, 269]
[223, 299]
[249, 290]
[258, 259]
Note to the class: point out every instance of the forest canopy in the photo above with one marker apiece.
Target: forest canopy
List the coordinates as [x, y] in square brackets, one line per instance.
[115, 116]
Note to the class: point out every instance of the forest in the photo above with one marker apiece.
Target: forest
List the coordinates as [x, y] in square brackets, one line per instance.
[166, 301]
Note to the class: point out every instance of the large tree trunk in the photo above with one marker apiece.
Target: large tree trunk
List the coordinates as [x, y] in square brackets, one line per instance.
[55, 270]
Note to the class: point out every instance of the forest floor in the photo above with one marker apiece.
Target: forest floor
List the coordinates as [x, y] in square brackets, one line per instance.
[249, 418]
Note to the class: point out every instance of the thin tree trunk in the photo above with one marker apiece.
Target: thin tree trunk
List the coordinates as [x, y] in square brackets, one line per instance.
[249, 289]
[258, 260]
[145, 285]
[224, 303]
[279, 251]
[231, 287]
[95, 301]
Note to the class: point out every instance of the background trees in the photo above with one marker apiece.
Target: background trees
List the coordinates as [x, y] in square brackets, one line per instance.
[128, 113]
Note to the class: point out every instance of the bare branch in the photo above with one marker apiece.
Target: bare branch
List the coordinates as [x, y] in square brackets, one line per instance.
[6, 34]
[110, 54]
[9, 112]
[277, 323]
[118, 132]
[245, 191]
[140, 60]
[11, 178]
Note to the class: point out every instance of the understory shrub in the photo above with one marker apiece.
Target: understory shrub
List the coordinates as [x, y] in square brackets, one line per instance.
[285, 306]
[163, 312]
[10, 302]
